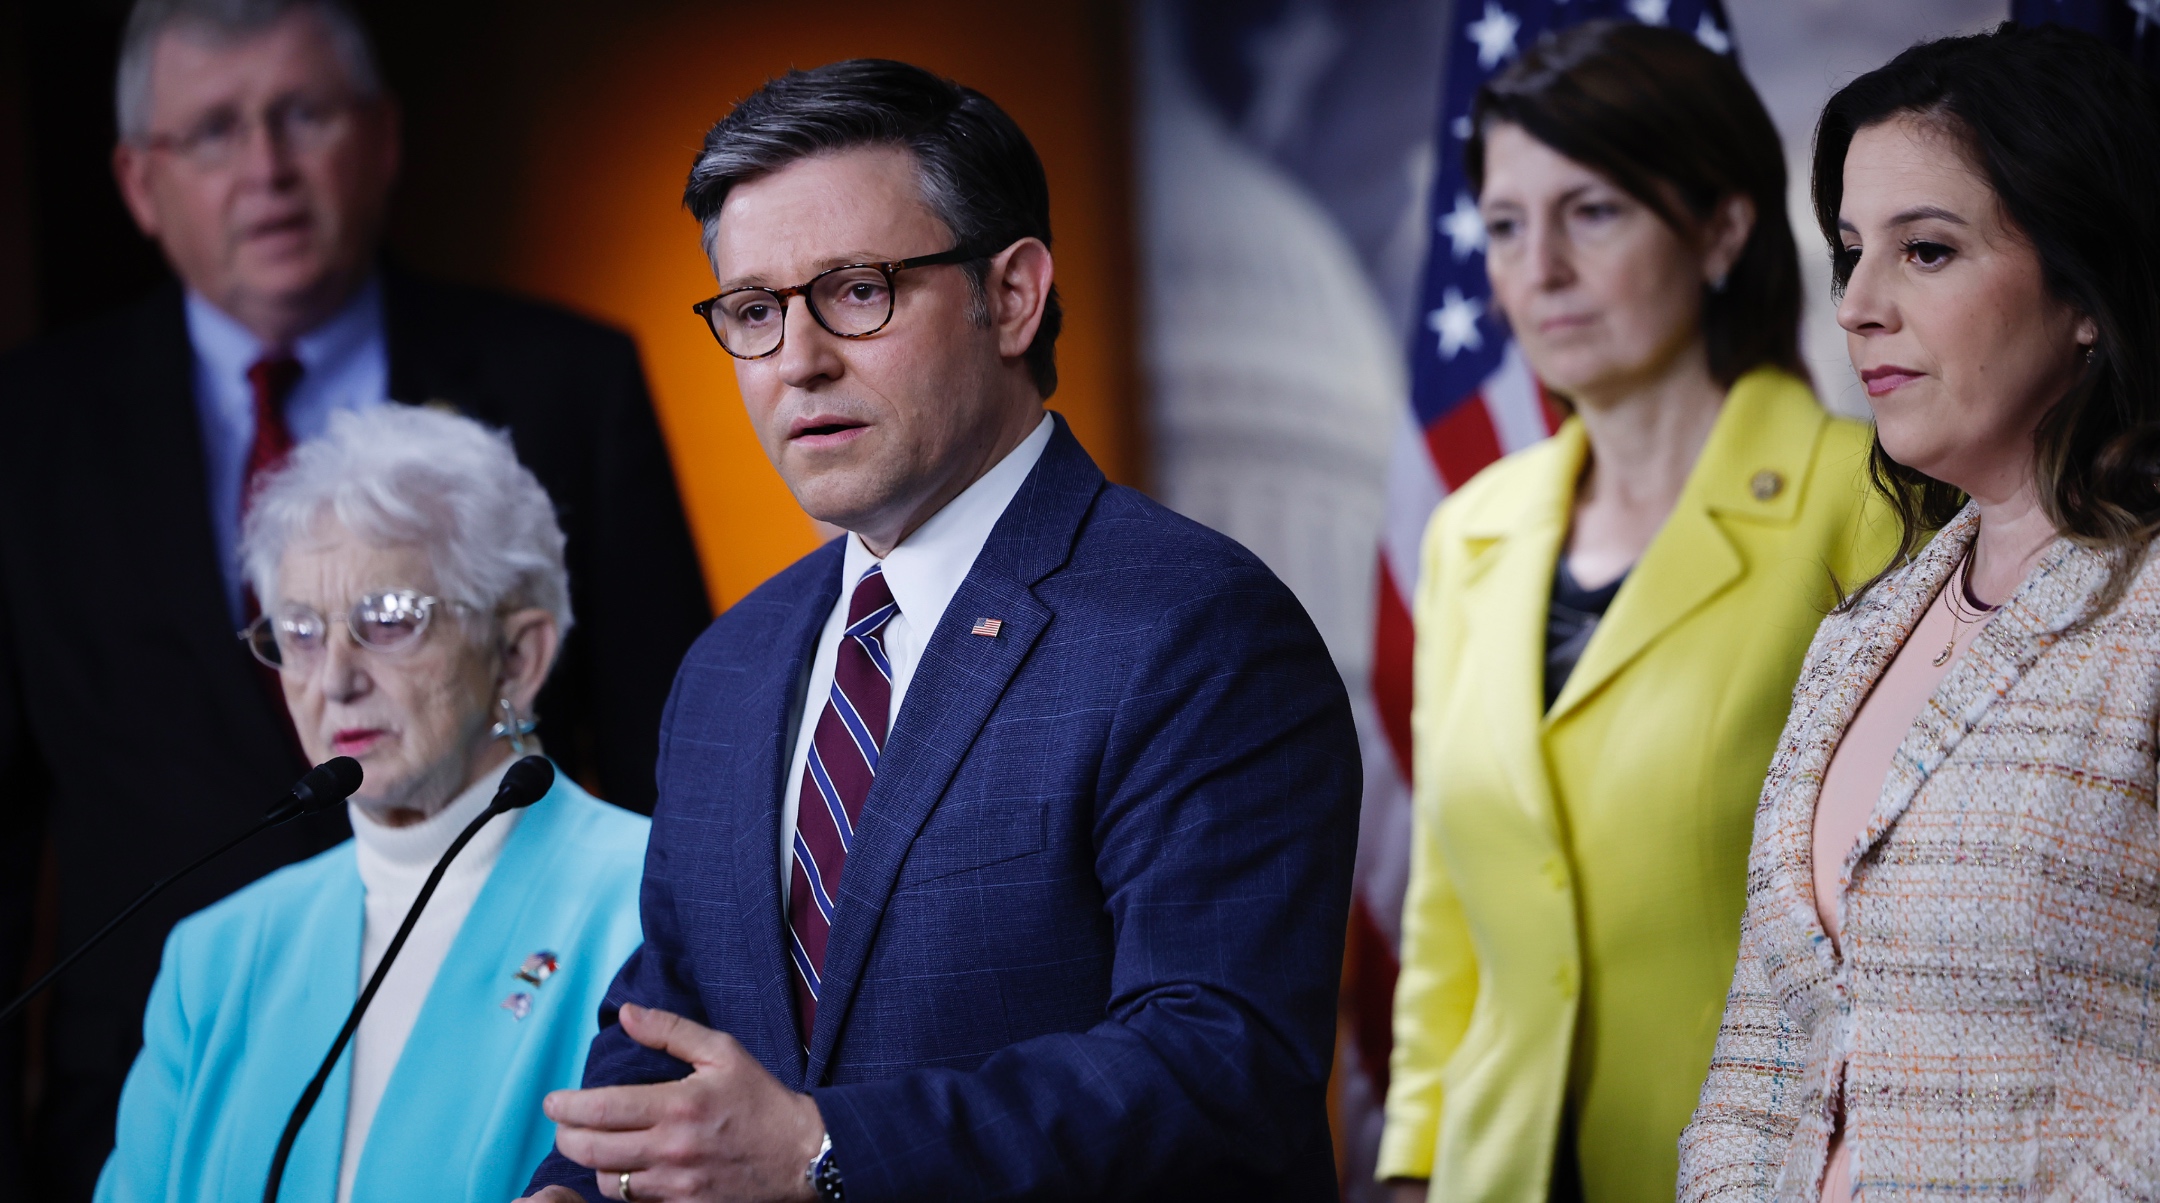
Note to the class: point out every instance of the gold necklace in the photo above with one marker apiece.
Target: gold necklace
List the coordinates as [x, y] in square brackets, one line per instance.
[1963, 584]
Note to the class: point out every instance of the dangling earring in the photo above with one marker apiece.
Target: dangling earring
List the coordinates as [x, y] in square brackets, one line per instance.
[1718, 285]
[512, 727]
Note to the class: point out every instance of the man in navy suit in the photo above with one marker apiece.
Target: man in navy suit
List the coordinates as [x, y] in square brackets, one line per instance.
[1003, 845]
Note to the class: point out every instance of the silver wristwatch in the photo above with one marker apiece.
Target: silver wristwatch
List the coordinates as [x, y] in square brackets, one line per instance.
[824, 1174]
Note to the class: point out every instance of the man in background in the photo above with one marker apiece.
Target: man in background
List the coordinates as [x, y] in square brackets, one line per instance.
[258, 148]
[1003, 844]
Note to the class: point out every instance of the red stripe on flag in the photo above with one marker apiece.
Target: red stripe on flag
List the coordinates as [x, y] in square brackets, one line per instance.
[1463, 442]
[1393, 636]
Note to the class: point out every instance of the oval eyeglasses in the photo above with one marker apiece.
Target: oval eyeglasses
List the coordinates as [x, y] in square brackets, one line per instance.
[294, 637]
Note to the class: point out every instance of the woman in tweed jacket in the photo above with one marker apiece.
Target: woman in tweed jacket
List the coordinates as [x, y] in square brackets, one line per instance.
[1949, 971]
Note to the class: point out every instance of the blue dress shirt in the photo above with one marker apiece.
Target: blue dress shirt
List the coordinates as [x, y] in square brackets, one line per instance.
[344, 365]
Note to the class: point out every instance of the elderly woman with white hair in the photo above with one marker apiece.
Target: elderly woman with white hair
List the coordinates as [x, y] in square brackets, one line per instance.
[413, 598]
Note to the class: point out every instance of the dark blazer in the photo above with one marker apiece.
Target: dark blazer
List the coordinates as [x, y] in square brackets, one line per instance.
[1089, 935]
[135, 729]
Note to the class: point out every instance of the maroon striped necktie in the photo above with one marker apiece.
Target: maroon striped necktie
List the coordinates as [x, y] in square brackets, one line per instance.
[836, 779]
[270, 381]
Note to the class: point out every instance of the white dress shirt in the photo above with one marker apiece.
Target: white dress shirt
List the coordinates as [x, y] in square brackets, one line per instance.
[924, 572]
[394, 864]
[344, 364]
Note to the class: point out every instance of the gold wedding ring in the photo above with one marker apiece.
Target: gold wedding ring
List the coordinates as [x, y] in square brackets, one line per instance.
[622, 1185]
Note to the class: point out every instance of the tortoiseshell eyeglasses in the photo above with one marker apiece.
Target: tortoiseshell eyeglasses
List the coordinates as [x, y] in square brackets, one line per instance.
[854, 300]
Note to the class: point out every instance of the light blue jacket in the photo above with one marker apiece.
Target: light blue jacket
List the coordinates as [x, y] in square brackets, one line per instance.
[254, 988]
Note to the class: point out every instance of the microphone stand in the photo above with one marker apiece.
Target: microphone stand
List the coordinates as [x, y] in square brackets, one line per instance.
[508, 797]
[316, 791]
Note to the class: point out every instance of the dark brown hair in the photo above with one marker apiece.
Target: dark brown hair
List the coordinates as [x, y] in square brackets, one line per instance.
[2067, 132]
[1663, 116]
[980, 174]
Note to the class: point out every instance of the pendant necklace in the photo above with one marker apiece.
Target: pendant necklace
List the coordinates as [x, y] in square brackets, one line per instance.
[1958, 618]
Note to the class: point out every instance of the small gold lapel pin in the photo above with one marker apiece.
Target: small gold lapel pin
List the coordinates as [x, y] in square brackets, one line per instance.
[1766, 484]
[987, 627]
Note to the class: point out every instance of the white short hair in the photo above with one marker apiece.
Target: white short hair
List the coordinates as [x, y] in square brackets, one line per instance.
[398, 475]
[226, 21]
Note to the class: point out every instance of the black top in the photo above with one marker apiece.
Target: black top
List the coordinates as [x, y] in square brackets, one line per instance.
[135, 730]
[1569, 622]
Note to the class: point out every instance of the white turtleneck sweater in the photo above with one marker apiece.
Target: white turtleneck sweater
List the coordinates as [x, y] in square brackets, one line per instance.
[394, 864]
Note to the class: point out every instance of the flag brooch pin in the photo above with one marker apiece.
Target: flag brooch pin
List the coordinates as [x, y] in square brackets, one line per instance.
[536, 970]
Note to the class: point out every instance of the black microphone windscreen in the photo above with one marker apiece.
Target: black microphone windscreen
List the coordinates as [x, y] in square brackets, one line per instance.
[525, 783]
[328, 784]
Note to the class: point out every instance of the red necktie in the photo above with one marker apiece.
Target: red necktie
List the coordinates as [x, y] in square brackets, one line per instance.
[271, 380]
[836, 780]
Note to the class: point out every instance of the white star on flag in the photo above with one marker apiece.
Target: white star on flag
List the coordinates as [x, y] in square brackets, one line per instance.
[1717, 41]
[1649, 12]
[1494, 34]
[1464, 227]
[1456, 323]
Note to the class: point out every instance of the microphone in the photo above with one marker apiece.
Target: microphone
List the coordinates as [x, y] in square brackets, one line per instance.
[324, 786]
[525, 783]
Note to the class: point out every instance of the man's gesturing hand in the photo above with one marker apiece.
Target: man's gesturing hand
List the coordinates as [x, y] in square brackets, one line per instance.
[730, 1131]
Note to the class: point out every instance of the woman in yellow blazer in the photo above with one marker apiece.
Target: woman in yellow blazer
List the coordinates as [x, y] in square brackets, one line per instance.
[1609, 625]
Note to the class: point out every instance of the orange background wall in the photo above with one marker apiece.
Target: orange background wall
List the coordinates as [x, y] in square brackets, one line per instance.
[585, 206]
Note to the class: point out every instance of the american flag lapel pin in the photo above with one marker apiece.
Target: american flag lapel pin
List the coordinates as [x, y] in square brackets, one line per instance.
[987, 627]
[538, 968]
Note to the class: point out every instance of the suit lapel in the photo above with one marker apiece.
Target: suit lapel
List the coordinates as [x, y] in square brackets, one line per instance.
[1886, 617]
[1688, 563]
[771, 705]
[2001, 653]
[425, 367]
[461, 1020]
[955, 688]
[160, 458]
[1767, 431]
[302, 994]
[164, 448]
[1516, 540]
[433, 352]
[464, 1031]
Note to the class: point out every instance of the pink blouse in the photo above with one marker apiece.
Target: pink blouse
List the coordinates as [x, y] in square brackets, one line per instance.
[1854, 780]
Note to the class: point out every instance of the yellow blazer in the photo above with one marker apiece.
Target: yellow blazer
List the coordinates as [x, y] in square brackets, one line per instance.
[1577, 876]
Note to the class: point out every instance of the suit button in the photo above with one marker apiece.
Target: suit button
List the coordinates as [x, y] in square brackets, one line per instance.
[1556, 873]
[1564, 981]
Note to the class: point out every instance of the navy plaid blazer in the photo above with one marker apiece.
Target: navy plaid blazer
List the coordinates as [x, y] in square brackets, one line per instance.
[1089, 938]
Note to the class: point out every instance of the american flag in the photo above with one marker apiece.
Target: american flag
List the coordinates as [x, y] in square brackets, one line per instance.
[1472, 400]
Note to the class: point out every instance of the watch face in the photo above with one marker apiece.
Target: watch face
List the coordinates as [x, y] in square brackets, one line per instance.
[825, 1176]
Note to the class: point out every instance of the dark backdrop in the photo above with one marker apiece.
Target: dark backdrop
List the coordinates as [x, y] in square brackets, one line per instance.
[67, 247]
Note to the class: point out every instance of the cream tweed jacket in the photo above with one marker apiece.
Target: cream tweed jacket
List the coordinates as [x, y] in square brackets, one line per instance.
[1993, 1022]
